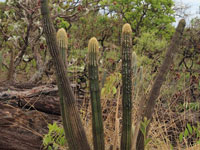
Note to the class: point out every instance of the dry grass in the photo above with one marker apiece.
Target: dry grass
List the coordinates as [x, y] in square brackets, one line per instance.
[168, 122]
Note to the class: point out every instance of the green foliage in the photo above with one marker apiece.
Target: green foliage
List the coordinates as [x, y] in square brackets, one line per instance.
[103, 27]
[189, 132]
[195, 106]
[150, 48]
[146, 15]
[2, 9]
[143, 128]
[110, 86]
[55, 138]
[61, 23]
[148, 44]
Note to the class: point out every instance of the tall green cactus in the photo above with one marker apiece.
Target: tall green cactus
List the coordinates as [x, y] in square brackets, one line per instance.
[134, 63]
[137, 76]
[75, 132]
[1, 59]
[126, 87]
[97, 123]
[134, 70]
[62, 40]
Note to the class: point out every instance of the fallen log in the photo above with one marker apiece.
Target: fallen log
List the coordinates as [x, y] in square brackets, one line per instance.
[43, 98]
[28, 93]
[22, 130]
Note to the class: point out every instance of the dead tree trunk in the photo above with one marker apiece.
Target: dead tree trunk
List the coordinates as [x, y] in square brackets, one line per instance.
[160, 78]
[21, 130]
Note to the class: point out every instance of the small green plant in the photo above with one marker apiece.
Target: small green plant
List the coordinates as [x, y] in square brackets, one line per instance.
[191, 106]
[143, 128]
[55, 138]
[190, 131]
[110, 86]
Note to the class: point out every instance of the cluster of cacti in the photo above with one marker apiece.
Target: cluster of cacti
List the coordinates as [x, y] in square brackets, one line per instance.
[97, 123]
[73, 127]
[126, 87]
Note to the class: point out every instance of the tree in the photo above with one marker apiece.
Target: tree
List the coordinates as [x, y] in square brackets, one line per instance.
[22, 35]
[144, 15]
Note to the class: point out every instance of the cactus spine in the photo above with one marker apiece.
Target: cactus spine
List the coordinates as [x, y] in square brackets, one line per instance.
[62, 41]
[97, 123]
[126, 87]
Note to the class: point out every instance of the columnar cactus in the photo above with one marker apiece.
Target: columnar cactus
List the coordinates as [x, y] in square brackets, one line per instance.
[1, 59]
[126, 87]
[75, 132]
[137, 76]
[97, 123]
[134, 63]
[141, 74]
[134, 70]
[62, 40]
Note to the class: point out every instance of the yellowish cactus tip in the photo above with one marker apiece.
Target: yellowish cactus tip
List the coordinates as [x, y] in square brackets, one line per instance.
[93, 45]
[62, 35]
[126, 28]
[93, 49]
[134, 55]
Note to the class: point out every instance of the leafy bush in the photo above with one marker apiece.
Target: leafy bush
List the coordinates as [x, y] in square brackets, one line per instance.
[55, 138]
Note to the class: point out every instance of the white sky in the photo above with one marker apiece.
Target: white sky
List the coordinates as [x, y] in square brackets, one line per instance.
[192, 11]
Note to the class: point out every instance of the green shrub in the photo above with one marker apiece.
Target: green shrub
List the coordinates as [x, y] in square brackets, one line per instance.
[55, 138]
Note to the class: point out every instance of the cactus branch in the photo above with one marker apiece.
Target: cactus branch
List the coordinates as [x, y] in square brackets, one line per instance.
[62, 40]
[126, 87]
[97, 123]
[76, 136]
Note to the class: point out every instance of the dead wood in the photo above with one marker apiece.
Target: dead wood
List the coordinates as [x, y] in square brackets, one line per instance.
[43, 98]
[22, 130]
